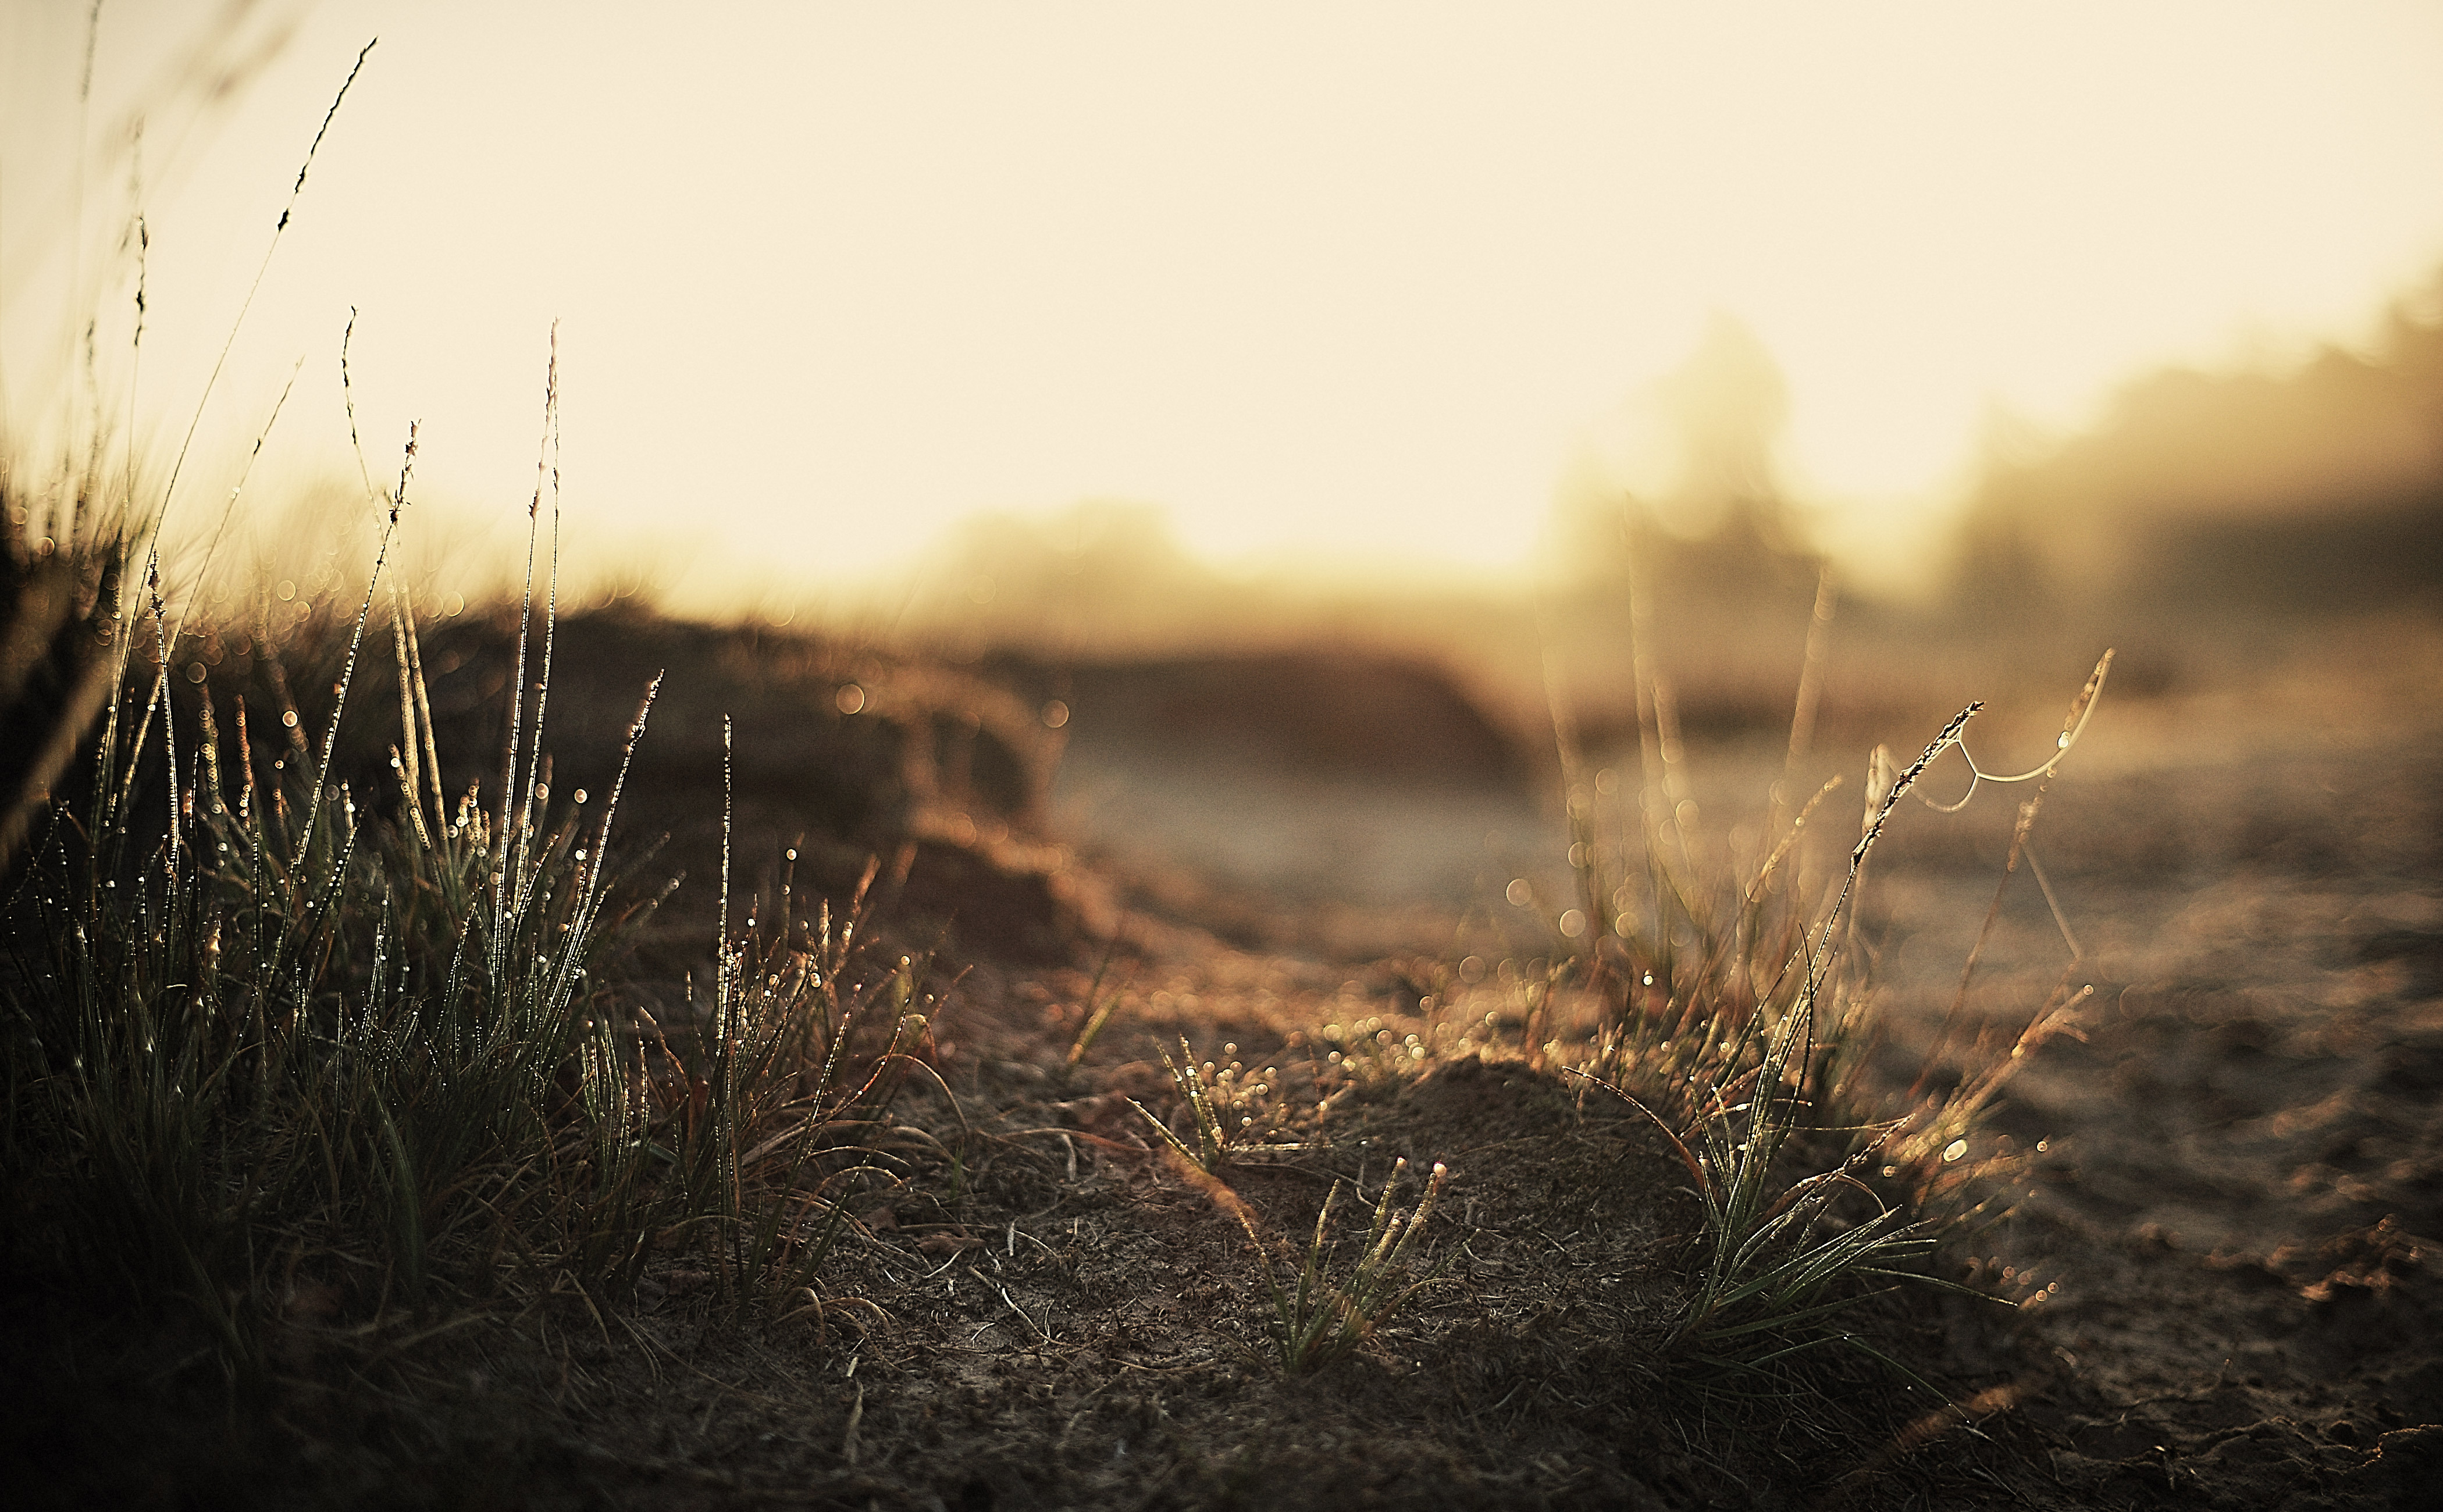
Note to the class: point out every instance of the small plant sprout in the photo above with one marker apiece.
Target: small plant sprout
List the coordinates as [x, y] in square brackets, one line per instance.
[1231, 1112]
[1316, 1322]
[1098, 1011]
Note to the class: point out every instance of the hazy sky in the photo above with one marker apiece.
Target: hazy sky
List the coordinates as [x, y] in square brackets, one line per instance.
[1349, 278]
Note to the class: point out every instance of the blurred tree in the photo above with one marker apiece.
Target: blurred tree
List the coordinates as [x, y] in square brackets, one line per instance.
[1999, 562]
[1723, 526]
[1727, 406]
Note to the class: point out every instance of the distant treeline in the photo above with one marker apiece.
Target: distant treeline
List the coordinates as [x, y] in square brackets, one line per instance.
[2313, 487]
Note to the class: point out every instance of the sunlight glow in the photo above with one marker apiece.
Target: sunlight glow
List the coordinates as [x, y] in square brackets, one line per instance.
[1353, 280]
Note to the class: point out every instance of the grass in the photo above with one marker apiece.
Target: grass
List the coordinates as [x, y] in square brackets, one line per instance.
[1229, 1112]
[1771, 1282]
[1742, 1013]
[1317, 1322]
[257, 1021]
[286, 1033]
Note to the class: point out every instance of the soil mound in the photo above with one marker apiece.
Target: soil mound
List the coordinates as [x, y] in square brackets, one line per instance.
[1319, 711]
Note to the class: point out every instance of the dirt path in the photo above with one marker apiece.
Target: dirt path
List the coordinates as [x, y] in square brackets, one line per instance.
[2224, 1191]
[2229, 1177]
[2241, 1183]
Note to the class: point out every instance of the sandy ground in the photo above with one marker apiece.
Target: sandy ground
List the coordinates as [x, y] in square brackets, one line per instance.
[2219, 1191]
[2228, 1178]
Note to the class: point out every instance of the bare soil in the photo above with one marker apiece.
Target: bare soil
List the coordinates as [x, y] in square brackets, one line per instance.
[2216, 1275]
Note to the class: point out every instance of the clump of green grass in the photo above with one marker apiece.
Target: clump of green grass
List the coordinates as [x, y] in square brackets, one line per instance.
[255, 1022]
[253, 1025]
[750, 1124]
[1318, 1320]
[1773, 1283]
[1229, 1111]
[1734, 1020]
